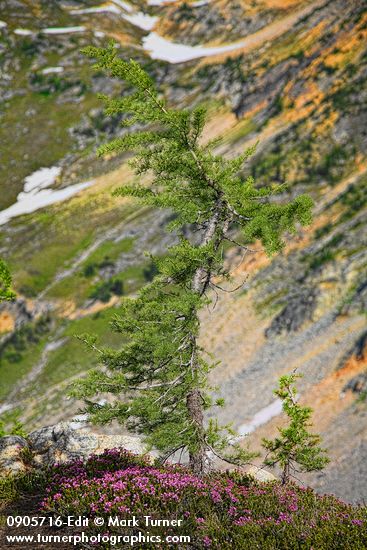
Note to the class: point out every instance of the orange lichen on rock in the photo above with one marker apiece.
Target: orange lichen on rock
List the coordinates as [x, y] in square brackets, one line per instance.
[327, 123]
[7, 323]
[348, 47]
[309, 39]
[79, 313]
[328, 397]
[264, 35]
[256, 109]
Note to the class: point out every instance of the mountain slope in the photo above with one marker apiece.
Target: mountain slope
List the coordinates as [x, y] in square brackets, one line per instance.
[294, 80]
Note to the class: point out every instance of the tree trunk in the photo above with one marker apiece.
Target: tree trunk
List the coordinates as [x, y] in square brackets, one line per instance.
[285, 474]
[194, 400]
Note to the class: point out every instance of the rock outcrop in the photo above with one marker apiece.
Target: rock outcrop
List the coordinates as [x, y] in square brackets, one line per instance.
[11, 447]
[260, 474]
[59, 443]
[64, 442]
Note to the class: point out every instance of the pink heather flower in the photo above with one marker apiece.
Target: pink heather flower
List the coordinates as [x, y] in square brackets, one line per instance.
[110, 483]
[216, 496]
[200, 520]
[242, 520]
[285, 517]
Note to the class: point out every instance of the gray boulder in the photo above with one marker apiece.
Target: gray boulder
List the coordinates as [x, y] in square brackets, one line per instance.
[11, 461]
[260, 474]
[59, 443]
[64, 442]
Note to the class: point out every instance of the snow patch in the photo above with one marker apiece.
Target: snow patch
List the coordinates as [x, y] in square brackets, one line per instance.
[124, 5]
[262, 417]
[161, 48]
[96, 9]
[63, 30]
[160, 2]
[44, 177]
[3, 24]
[52, 70]
[23, 32]
[36, 193]
[141, 20]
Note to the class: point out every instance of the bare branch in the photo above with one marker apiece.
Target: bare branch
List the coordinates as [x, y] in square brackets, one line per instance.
[244, 247]
[229, 291]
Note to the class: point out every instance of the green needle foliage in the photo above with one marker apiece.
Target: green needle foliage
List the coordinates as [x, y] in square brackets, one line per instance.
[5, 283]
[159, 376]
[296, 449]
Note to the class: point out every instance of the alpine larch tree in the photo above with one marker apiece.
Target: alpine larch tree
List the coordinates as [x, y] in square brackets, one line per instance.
[295, 449]
[159, 375]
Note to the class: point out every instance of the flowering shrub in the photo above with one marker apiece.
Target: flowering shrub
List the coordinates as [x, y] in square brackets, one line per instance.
[221, 510]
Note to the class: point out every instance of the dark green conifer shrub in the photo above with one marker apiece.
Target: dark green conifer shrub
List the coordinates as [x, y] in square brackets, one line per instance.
[295, 449]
